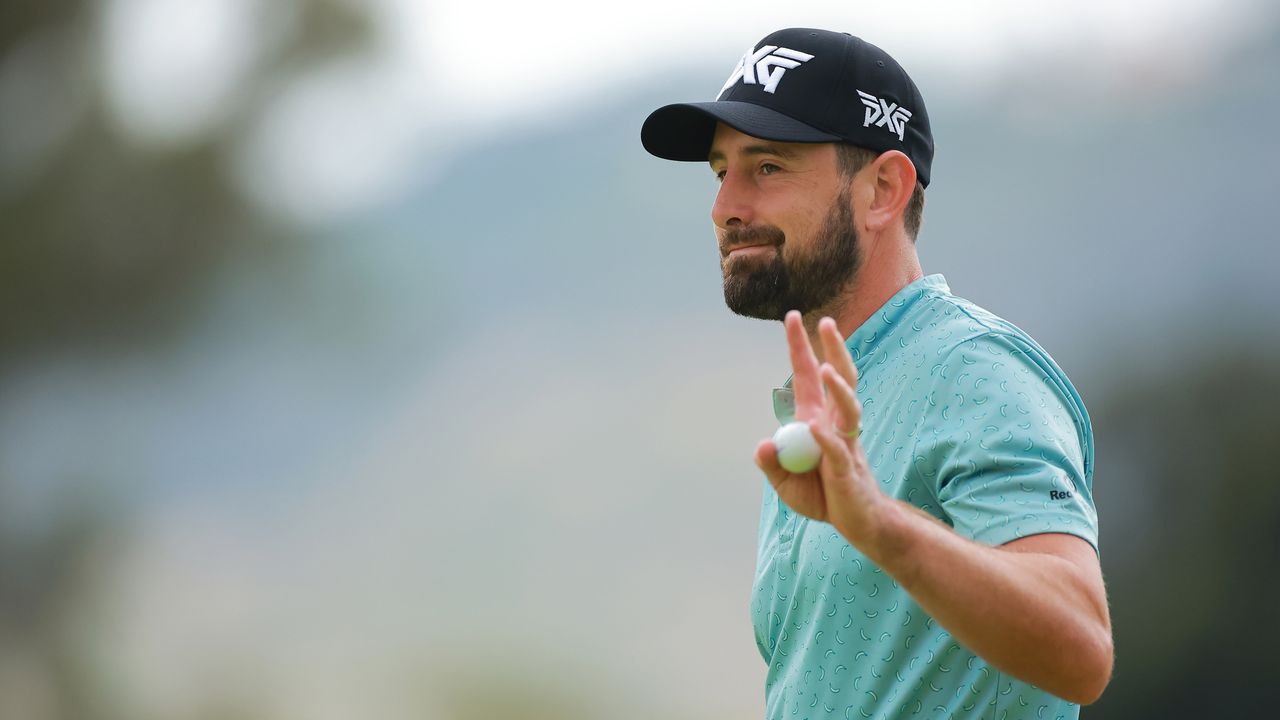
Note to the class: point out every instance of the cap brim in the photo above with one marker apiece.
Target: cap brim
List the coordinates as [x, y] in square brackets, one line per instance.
[684, 131]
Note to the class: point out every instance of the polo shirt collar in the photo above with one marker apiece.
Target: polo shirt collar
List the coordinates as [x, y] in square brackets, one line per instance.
[864, 341]
[866, 338]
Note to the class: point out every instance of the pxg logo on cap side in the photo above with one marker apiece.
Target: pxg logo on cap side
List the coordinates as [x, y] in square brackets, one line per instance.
[765, 66]
[884, 114]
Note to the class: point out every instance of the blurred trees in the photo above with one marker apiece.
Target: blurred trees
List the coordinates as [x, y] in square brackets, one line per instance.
[1189, 501]
[48, 592]
[108, 239]
[108, 235]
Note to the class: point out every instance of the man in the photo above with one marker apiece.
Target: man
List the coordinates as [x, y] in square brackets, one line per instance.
[941, 560]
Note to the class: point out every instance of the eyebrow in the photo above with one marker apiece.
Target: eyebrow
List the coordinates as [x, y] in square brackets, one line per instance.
[749, 150]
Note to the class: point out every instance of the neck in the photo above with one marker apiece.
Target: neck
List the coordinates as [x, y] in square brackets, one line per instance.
[877, 279]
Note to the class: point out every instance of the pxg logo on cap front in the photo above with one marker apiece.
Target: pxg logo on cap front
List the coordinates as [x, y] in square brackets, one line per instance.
[765, 66]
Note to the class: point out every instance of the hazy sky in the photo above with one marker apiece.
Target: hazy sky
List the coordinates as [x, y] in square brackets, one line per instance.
[447, 75]
[491, 57]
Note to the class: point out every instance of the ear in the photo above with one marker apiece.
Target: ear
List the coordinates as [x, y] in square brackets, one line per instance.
[892, 180]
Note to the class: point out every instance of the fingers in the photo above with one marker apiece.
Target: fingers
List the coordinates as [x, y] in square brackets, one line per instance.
[834, 450]
[849, 410]
[835, 352]
[804, 367]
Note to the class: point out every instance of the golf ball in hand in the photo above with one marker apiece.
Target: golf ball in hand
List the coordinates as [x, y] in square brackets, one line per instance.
[798, 452]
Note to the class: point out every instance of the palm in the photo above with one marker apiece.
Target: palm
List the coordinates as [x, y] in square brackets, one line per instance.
[804, 493]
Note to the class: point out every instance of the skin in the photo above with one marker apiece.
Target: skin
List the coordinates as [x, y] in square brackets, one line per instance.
[1035, 608]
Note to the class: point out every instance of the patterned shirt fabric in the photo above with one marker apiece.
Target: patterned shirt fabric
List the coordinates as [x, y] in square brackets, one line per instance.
[967, 418]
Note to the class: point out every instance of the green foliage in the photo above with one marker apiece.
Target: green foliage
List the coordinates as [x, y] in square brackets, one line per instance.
[105, 238]
[1190, 565]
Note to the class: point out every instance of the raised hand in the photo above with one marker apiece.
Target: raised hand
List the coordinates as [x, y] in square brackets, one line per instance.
[841, 490]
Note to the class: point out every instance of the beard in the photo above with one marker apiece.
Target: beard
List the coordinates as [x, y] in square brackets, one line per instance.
[767, 287]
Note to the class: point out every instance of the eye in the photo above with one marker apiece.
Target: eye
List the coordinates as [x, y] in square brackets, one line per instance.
[719, 175]
[768, 168]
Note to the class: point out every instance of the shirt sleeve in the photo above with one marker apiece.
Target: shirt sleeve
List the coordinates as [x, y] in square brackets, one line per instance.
[1006, 444]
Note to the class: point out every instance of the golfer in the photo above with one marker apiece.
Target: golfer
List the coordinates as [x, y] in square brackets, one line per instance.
[942, 559]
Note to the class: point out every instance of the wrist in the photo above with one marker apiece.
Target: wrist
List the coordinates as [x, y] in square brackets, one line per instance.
[885, 535]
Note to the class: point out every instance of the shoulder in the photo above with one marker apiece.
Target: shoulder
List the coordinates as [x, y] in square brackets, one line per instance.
[963, 334]
[988, 374]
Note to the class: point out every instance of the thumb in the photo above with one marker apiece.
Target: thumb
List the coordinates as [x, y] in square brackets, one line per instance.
[767, 460]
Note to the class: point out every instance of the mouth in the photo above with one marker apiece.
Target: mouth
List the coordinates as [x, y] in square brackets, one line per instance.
[751, 240]
[750, 249]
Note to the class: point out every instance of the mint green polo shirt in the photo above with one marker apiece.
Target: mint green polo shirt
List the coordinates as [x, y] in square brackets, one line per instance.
[967, 418]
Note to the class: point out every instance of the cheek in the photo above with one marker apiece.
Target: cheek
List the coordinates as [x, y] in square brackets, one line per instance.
[799, 236]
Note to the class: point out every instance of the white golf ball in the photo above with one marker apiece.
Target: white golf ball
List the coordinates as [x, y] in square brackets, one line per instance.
[798, 452]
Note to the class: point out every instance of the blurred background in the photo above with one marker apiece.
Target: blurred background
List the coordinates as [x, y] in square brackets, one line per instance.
[356, 361]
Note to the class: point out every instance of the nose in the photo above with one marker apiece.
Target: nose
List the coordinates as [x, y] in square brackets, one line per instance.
[733, 205]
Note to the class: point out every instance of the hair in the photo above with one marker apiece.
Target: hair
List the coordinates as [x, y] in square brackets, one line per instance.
[852, 158]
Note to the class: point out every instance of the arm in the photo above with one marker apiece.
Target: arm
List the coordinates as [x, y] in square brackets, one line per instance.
[1034, 608]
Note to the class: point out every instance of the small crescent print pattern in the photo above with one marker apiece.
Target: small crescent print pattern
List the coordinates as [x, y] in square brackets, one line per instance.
[966, 417]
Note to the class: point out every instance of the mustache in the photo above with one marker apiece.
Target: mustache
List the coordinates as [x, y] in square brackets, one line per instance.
[750, 235]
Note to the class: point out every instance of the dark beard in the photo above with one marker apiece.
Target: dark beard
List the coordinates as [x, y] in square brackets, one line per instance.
[803, 282]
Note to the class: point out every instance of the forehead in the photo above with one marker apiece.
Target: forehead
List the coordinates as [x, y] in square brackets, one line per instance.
[729, 143]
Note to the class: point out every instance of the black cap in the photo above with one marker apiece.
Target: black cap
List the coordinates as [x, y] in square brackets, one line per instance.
[804, 85]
